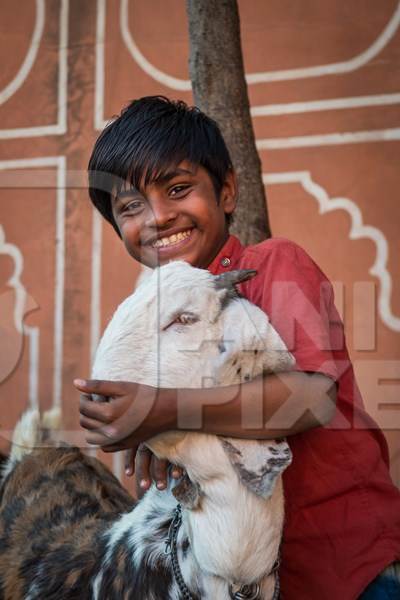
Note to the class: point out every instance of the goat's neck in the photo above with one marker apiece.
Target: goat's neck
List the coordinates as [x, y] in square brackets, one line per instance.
[148, 524]
[219, 547]
[235, 533]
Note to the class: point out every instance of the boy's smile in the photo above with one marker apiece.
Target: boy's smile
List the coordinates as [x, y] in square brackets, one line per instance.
[176, 217]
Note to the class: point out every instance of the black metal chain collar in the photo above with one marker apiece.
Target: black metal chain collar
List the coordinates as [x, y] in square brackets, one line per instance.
[171, 547]
[246, 592]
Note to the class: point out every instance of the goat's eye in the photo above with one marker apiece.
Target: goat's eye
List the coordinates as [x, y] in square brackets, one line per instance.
[185, 318]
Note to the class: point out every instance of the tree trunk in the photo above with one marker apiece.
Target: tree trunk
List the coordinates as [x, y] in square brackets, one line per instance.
[220, 90]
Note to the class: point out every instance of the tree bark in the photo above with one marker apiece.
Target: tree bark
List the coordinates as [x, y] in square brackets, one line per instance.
[220, 90]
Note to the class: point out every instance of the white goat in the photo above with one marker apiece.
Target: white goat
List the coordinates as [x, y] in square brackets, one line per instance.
[183, 328]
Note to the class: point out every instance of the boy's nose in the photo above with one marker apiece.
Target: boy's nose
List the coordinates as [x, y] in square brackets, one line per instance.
[161, 214]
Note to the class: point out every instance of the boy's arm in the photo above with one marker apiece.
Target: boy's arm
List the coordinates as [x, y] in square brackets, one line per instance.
[269, 406]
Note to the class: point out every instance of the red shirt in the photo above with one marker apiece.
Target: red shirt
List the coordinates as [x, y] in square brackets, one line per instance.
[342, 523]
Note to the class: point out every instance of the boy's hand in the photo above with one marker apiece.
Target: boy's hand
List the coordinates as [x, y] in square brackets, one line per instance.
[122, 424]
[133, 414]
[147, 468]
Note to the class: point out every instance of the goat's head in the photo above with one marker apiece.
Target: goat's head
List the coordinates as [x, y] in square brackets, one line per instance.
[184, 327]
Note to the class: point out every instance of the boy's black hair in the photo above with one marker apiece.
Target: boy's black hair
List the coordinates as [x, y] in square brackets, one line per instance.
[151, 136]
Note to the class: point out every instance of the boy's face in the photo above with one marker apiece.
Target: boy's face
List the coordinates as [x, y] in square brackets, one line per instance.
[178, 217]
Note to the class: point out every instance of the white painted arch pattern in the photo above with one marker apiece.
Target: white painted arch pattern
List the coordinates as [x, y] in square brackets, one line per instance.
[60, 127]
[322, 139]
[21, 295]
[58, 162]
[30, 57]
[358, 230]
[347, 66]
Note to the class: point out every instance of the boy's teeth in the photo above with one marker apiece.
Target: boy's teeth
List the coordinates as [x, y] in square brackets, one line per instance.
[172, 239]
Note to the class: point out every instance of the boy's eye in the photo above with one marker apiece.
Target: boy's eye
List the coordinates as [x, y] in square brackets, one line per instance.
[133, 206]
[179, 190]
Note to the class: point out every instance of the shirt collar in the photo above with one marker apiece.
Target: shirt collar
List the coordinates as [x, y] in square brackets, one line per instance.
[228, 257]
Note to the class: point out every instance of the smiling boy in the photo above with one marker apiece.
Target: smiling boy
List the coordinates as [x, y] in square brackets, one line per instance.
[162, 176]
[152, 231]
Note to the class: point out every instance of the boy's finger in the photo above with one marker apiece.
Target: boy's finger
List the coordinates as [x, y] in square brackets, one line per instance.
[120, 447]
[142, 467]
[89, 424]
[104, 437]
[176, 472]
[106, 412]
[129, 460]
[102, 387]
[159, 471]
[117, 426]
[93, 439]
[92, 410]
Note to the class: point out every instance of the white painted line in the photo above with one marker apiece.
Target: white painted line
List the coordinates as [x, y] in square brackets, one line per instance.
[358, 231]
[27, 132]
[346, 66]
[99, 72]
[95, 304]
[63, 68]
[59, 281]
[61, 126]
[291, 108]
[329, 139]
[33, 336]
[30, 57]
[21, 163]
[167, 80]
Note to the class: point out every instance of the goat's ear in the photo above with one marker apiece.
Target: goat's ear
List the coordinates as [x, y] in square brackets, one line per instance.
[187, 493]
[229, 279]
[258, 464]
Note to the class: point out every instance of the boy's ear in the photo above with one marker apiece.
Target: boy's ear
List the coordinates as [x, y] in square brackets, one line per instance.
[229, 192]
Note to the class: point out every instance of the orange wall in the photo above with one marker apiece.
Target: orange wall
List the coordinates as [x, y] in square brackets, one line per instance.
[324, 86]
